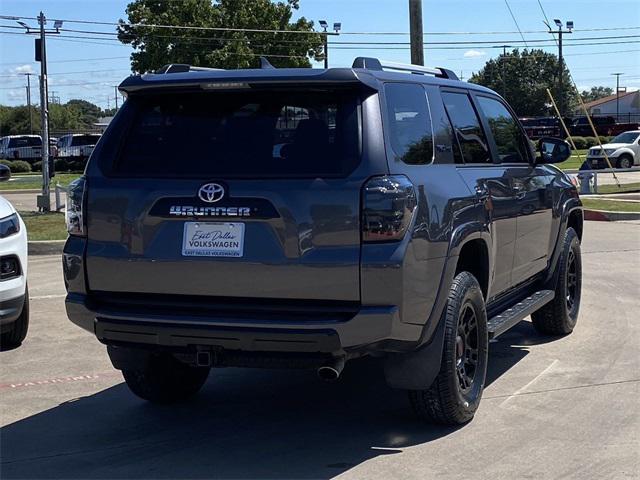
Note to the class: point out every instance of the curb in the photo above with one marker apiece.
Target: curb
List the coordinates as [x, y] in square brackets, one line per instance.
[607, 216]
[20, 190]
[46, 247]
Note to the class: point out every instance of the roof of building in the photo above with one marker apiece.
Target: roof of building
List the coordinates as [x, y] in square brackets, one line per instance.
[600, 101]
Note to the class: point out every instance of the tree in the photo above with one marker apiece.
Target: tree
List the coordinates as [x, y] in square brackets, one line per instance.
[87, 112]
[155, 47]
[596, 93]
[527, 75]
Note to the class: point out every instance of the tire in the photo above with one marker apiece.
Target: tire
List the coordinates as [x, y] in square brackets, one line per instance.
[163, 379]
[559, 316]
[625, 161]
[455, 394]
[18, 332]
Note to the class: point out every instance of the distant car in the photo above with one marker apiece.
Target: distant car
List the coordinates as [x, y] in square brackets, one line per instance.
[21, 147]
[623, 152]
[14, 295]
[77, 146]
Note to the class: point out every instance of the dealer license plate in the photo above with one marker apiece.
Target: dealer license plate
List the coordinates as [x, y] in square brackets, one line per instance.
[213, 239]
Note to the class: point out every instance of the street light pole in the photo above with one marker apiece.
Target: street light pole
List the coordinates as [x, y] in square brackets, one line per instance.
[560, 31]
[325, 40]
[617, 74]
[28, 87]
[44, 200]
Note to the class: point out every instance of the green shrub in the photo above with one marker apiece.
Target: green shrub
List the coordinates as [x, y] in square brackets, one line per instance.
[591, 141]
[37, 166]
[8, 163]
[580, 142]
[20, 166]
[605, 139]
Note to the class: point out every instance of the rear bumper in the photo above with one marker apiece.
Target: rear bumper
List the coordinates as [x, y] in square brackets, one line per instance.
[372, 328]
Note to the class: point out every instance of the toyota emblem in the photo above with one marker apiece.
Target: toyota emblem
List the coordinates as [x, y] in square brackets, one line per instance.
[211, 192]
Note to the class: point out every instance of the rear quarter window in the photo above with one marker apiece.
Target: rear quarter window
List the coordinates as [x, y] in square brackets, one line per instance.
[409, 122]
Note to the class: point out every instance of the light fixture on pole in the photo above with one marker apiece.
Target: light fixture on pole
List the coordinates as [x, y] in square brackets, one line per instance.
[337, 26]
[560, 31]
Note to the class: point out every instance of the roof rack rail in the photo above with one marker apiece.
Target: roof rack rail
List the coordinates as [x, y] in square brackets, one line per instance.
[182, 68]
[371, 63]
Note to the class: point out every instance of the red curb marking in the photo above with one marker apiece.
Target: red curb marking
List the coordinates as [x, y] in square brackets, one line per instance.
[52, 381]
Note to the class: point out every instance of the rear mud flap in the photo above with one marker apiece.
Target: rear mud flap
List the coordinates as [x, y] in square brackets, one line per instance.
[416, 370]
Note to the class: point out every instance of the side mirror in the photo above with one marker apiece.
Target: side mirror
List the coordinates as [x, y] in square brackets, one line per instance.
[553, 150]
[5, 173]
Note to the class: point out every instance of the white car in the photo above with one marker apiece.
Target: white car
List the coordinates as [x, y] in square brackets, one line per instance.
[623, 152]
[14, 294]
[21, 147]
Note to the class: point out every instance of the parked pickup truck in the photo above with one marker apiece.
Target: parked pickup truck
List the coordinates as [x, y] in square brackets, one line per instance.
[405, 217]
[21, 147]
[604, 126]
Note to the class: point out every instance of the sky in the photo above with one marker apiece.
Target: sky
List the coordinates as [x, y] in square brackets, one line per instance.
[91, 69]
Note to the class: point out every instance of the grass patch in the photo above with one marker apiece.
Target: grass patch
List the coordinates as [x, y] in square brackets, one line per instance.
[573, 163]
[624, 187]
[610, 205]
[45, 226]
[25, 182]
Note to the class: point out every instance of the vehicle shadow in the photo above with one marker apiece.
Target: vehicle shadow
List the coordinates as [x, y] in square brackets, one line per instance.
[244, 424]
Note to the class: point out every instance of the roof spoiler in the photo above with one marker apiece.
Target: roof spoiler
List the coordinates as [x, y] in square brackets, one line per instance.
[370, 63]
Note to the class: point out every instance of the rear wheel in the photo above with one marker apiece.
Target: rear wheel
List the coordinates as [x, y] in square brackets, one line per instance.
[18, 332]
[559, 316]
[455, 394]
[163, 379]
[625, 161]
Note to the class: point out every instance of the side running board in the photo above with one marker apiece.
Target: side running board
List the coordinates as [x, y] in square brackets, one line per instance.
[512, 316]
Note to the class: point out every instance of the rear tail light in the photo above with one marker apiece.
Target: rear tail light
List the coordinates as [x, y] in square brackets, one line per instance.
[388, 204]
[75, 208]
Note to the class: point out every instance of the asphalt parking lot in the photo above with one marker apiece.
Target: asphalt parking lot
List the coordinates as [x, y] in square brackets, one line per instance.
[553, 408]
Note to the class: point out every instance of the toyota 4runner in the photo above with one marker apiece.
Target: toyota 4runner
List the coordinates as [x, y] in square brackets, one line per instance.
[301, 218]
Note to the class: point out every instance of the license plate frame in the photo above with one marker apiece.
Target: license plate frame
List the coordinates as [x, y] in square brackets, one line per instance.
[213, 239]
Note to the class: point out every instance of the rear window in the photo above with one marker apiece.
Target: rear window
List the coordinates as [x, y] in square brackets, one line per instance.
[81, 140]
[21, 142]
[248, 134]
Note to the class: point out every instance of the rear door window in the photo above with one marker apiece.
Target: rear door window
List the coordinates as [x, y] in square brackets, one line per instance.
[409, 122]
[466, 124]
[510, 141]
[248, 134]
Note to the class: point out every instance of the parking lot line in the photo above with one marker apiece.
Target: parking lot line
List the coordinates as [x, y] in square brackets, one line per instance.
[522, 389]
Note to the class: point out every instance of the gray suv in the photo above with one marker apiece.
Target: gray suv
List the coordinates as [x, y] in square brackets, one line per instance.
[301, 218]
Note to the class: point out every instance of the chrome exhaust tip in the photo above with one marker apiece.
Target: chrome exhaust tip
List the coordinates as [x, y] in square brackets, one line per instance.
[331, 371]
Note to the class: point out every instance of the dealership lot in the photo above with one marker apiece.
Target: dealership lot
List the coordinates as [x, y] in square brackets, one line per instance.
[554, 408]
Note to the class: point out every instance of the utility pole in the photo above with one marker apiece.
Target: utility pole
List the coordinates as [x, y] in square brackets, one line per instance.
[503, 60]
[28, 87]
[115, 88]
[44, 200]
[415, 32]
[617, 74]
[325, 38]
[560, 31]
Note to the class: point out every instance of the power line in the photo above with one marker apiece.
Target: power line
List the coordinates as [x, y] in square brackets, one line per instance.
[256, 30]
[516, 22]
